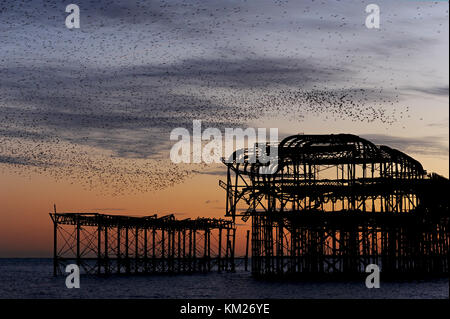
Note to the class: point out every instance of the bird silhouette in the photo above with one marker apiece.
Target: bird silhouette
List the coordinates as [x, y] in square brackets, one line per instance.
[96, 105]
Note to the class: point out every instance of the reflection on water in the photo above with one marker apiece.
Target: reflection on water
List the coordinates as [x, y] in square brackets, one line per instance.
[32, 278]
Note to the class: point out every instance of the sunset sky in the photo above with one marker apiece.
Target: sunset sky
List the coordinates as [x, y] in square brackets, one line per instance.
[85, 114]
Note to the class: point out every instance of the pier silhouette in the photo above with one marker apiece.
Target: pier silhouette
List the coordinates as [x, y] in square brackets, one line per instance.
[338, 203]
[334, 205]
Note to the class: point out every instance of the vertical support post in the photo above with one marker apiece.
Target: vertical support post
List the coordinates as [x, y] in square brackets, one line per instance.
[232, 252]
[173, 250]
[99, 248]
[163, 250]
[169, 249]
[190, 250]
[153, 250]
[118, 250]
[227, 249]
[254, 243]
[78, 242]
[106, 250]
[280, 247]
[127, 258]
[205, 249]
[293, 250]
[227, 208]
[184, 249]
[136, 251]
[209, 250]
[194, 244]
[55, 245]
[219, 255]
[145, 251]
[246, 250]
[179, 251]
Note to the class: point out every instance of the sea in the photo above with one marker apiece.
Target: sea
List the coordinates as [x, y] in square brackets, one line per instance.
[33, 278]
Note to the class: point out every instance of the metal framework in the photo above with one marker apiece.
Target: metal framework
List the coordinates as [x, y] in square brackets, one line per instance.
[337, 203]
[112, 244]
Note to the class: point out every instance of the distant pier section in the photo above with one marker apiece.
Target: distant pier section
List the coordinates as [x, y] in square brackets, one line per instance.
[105, 244]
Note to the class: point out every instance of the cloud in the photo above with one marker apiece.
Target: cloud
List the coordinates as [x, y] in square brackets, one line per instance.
[440, 124]
[17, 160]
[431, 90]
[211, 201]
[428, 145]
[107, 209]
[131, 110]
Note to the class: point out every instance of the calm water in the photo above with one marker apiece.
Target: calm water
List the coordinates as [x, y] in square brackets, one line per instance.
[32, 278]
